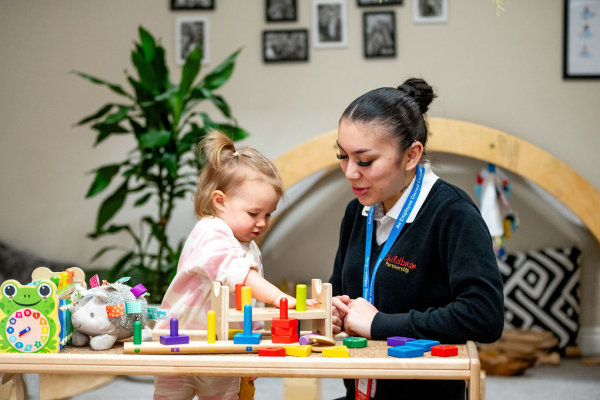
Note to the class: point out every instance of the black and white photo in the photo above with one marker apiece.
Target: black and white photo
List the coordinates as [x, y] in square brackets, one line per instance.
[581, 40]
[329, 23]
[369, 3]
[191, 32]
[281, 10]
[192, 4]
[430, 11]
[285, 45]
[379, 29]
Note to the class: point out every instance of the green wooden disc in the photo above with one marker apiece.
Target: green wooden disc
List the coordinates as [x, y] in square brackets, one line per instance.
[355, 342]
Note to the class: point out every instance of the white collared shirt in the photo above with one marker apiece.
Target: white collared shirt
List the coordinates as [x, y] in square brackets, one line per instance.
[385, 223]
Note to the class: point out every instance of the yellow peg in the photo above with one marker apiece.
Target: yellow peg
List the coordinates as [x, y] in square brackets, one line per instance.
[246, 296]
[210, 327]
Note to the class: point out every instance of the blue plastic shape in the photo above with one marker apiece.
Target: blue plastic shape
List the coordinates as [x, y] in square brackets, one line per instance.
[243, 338]
[406, 351]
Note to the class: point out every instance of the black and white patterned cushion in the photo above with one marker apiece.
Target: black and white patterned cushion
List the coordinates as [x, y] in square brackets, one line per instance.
[541, 290]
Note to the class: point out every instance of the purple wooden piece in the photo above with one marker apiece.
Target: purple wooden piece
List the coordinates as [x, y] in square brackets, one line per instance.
[398, 341]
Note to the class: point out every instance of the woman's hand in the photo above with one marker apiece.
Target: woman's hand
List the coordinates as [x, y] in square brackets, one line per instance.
[339, 310]
[359, 318]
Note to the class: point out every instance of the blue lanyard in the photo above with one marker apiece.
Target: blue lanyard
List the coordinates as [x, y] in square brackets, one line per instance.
[369, 288]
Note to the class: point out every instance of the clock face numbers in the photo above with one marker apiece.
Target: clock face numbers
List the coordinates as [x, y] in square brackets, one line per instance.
[27, 330]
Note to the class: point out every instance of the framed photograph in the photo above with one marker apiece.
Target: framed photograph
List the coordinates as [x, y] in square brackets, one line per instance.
[285, 45]
[192, 4]
[581, 39]
[430, 11]
[281, 10]
[379, 32]
[329, 23]
[370, 3]
[191, 32]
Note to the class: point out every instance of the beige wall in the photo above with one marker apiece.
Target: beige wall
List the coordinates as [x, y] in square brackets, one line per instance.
[502, 71]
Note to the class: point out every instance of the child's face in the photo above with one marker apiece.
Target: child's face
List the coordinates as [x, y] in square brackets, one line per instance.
[247, 210]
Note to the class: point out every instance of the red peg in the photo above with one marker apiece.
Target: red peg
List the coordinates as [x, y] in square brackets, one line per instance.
[283, 308]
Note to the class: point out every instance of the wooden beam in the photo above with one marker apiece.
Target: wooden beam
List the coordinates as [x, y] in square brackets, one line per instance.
[475, 141]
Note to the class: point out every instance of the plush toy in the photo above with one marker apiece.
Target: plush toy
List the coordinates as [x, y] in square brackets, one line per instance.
[105, 314]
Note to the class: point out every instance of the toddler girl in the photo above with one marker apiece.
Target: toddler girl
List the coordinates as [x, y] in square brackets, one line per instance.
[237, 192]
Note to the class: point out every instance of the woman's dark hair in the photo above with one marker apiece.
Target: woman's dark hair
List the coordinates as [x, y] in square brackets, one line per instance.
[400, 110]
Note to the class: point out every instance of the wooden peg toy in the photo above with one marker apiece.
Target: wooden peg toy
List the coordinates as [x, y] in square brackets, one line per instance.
[300, 297]
[174, 337]
[210, 327]
[247, 337]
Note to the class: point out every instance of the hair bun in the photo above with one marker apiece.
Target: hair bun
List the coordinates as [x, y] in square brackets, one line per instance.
[419, 90]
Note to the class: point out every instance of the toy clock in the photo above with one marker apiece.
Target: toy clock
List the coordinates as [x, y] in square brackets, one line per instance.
[29, 318]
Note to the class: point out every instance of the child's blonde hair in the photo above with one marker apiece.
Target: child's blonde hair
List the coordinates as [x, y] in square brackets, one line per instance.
[227, 168]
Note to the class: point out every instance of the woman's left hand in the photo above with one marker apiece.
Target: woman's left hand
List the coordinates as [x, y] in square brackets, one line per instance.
[359, 318]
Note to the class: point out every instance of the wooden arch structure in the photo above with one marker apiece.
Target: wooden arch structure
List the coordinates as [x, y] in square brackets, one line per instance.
[474, 141]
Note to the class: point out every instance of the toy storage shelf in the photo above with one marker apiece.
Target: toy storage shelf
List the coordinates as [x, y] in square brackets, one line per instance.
[319, 314]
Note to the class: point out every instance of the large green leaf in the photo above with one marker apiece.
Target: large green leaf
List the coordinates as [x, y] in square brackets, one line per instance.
[222, 105]
[154, 138]
[118, 116]
[169, 160]
[148, 44]
[102, 251]
[106, 108]
[103, 177]
[190, 71]
[112, 86]
[142, 200]
[111, 205]
[217, 77]
[105, 130]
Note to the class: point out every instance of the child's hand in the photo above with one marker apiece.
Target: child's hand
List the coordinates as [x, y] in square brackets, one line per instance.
[291, 301]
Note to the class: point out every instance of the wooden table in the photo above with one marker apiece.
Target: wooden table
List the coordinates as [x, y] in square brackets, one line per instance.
[369, 362]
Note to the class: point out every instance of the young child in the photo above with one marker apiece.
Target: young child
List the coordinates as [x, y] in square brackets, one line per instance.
[237, 192]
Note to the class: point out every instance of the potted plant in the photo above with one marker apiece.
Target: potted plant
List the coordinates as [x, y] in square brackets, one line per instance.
[162, 168]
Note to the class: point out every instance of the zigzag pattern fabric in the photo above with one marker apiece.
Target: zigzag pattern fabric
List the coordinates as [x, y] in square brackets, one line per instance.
[541, 290]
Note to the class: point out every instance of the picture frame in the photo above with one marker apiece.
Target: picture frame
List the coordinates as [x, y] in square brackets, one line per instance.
[285, 45]
[281, 10]
[191, 31]
[192, 4]
[581, 42]
[379, 34]
[329, 23]
[430, 11]
[373, 3]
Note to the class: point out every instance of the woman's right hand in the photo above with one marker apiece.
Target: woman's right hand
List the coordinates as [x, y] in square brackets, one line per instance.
[339, 310]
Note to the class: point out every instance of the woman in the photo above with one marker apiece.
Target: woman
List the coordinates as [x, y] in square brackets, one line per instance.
[415, 258]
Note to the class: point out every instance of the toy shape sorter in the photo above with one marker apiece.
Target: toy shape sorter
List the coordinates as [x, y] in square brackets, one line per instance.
[284, 329]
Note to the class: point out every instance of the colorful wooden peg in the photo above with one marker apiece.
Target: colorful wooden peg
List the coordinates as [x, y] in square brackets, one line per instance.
[300, 297]
[174, 337]
[210, 327]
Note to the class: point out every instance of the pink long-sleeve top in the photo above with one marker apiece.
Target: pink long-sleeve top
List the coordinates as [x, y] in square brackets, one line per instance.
[211, 253]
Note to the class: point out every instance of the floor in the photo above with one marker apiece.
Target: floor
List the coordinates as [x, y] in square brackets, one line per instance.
[570, 380]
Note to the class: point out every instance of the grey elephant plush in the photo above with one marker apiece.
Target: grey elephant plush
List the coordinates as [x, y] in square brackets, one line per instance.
[102, 316]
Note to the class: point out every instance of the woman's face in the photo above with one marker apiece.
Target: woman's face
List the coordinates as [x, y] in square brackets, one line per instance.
[370, 160]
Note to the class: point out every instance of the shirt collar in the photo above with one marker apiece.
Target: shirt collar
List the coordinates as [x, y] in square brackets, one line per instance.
[429, 178]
